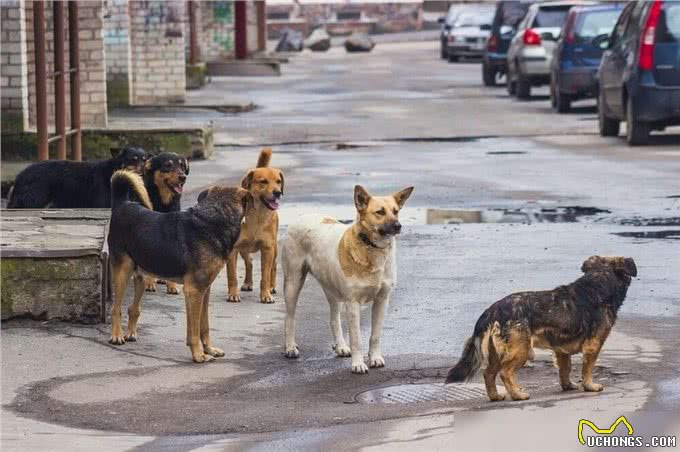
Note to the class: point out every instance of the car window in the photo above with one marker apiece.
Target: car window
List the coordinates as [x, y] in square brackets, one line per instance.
[668, 28]
[473, 18]
[513, 12]
[551, 17]
[592, 24]
[621, 24]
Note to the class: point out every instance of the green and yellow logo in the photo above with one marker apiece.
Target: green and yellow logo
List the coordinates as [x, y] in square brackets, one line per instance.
[602, 431]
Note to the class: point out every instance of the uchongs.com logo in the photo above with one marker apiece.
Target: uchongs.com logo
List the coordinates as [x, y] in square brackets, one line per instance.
[604, 436]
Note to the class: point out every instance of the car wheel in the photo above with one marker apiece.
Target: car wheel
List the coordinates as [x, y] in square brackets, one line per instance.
[553, 101]
[510, 82]
[637, 132]
[608, 127]
[488, 75]
[442, 52]
[562, 102]
[453, 58]
[523, 86]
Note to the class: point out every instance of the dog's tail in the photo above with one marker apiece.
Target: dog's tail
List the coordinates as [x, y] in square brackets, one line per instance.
[264, 158]
[473, 356]
[125, 181]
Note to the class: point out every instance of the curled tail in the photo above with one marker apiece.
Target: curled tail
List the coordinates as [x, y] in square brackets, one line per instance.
[469, 363]
[125, 181]
[264, 158]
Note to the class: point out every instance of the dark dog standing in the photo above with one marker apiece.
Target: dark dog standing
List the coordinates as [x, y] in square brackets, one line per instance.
[164, 178]
[188, 247]
[64, 184]
[575, 318]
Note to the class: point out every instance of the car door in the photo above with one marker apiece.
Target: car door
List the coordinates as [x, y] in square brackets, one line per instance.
[611, 67]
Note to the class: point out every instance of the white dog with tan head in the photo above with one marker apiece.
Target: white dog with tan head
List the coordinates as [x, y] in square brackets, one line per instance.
[354, 264]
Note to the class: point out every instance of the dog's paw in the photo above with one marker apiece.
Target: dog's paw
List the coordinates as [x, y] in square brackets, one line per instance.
[130, 337]
[293, 353]
[267, 299]
[214, 352]
[569, 386]
[377, 361]
[117, 340]
[202, 358]
[592, 387]
[342, 351]
[150, 287]
[520, 395]
[273, 290]
[172, 289]
[233, 298]
[359, 368]
[497, 397]
[247, 287]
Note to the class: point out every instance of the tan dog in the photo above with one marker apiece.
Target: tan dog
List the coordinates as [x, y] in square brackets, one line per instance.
[259, 230]
[355, 265]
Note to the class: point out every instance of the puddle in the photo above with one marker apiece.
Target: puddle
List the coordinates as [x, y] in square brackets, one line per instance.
[527, 215]
[506, 152]
[639, 221]
[671, 235]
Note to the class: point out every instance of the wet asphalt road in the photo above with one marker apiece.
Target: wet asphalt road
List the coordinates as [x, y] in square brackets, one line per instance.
[410, 119]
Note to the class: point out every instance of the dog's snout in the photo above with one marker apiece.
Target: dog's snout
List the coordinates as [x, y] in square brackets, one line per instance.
[397, 227]
[277, 193]
[182, 178]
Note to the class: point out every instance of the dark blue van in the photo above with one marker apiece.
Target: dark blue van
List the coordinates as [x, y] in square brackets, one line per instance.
[504, 26]
[578, 53]
[639, 76]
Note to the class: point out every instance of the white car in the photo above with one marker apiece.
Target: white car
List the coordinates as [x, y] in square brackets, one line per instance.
[531, 49]
[469, 32]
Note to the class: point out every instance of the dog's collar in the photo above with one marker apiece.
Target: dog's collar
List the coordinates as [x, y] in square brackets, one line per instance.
[364, 238]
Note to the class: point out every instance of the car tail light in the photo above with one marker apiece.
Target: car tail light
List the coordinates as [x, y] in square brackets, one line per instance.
[492, 44]
[531, 38]
[646, 57]
[569, 28]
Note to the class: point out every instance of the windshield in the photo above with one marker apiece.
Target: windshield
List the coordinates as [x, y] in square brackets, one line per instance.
[668, 28]
[513, 13]
[551, 17]
[595, 23]
[474, 18]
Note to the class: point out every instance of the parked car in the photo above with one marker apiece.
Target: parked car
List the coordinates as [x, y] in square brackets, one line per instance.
[470, 31]
[446, 25]
[639, 75]
[504, 26]
[531, 49]
[578, 53]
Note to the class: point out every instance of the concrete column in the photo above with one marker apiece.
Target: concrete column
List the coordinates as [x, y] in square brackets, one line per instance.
[118, 55]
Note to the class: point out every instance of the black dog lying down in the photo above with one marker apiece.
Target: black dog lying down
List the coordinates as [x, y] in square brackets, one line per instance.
[189, 247]
[64, 184]
[575, 318]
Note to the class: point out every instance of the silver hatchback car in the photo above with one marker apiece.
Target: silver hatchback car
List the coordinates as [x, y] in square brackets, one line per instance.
[531, 49]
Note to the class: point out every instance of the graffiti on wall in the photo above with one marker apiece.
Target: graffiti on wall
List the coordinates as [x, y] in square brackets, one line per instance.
[115, 22]
[163, 14]
[222, 31]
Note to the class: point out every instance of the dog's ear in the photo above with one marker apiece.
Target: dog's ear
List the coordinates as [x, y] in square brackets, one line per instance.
[247, 180]
[204, 194]
[115, 152]
[590, 264]
[282, 181]
[246, 198]
[402, 196]
[626, 266]
[186, 166]
[148, 166]
[361, 198]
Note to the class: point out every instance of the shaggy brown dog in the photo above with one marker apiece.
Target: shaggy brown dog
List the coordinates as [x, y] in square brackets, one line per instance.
[575, 318]
[259, 231]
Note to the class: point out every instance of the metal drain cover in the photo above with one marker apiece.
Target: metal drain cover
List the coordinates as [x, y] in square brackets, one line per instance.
[434, 392]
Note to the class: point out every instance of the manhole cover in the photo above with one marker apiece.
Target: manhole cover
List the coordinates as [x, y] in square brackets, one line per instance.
[435, 392]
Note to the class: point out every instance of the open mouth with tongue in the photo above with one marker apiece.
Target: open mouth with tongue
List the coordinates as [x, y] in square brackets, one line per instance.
[176, 187]
[271, 204]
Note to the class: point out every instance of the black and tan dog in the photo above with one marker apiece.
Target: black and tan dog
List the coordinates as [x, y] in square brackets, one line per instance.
[575, 318]
[164, 178]
[64, 184]
[260, 230]
[189, 247]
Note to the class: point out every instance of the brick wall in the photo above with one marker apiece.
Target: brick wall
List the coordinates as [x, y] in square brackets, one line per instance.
[217, 30]
[14, 86]
[92, 64]
[117, 50]
[157, 43]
